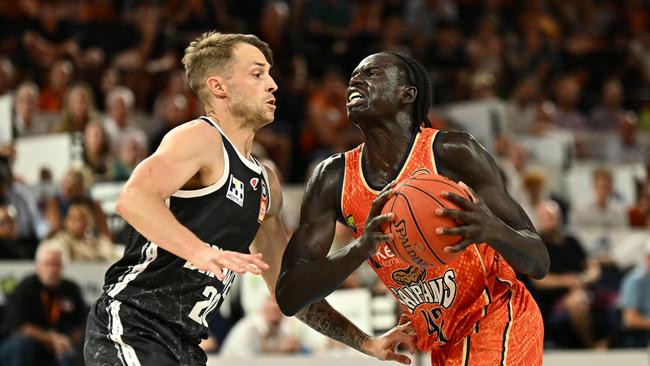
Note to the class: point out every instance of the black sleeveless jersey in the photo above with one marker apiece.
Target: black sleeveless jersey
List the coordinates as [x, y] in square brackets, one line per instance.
[226, 214]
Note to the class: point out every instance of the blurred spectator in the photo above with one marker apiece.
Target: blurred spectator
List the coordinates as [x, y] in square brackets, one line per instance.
[97, 150]
[531, 57]
[119, 124]
[422, 17]
[567, 94]
[636, 214]
[132, 152]
[79, 109]
[26, 121]
[627, 249]
[447, 60]
[514, 169]
[485, 49]
[328, 129]
[177, 84]
[50, 35]
[635, 303]
[626, 148]
[73, 189]
[175, 108]
[521, 109]
[6, 76]
[605, 211]
[262, 333]
[11, 246]
[640, 53]
[80, 239]
[606, 115]
[44, 316]
[534, 184]
[31, 226]
[564, 293]
[56, 89]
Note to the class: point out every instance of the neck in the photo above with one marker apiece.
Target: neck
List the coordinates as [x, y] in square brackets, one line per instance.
[238, 132]
[386, 142]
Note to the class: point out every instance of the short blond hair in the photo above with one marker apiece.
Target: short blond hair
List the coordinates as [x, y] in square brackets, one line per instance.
[212, 51]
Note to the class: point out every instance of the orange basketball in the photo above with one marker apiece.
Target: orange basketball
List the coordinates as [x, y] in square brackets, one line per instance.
[414, 229]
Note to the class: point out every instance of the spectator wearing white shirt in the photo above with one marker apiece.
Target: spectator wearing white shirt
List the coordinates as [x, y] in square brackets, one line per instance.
[264, 332]
[119, 104]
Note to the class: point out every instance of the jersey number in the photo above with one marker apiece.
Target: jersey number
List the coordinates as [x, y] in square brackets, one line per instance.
[201, 309]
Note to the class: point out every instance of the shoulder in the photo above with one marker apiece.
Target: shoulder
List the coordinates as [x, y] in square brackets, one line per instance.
[325, 182]
[195, 133]
[453, 145]
[329, 171]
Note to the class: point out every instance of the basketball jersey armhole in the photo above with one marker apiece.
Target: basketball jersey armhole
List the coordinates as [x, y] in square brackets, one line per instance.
[434, 157]
[339, 193]
[265, 175]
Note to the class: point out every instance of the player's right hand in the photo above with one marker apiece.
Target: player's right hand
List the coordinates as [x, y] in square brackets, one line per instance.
[215, 261]
[383, 347]
[373, 234]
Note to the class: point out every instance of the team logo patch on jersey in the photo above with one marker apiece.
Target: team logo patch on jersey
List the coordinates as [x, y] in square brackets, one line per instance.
[264, 202]
[254, 182]
[236, 191]
[349, 220]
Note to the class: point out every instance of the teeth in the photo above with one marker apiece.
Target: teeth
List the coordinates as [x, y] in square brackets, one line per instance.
[354, 95]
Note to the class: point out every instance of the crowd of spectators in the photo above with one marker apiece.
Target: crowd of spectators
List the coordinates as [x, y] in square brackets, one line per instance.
[109, 73]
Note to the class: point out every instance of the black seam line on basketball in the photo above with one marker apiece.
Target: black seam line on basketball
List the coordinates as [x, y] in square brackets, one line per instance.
[433, 198]
[420, 230]
[445, 182]
[390, 229]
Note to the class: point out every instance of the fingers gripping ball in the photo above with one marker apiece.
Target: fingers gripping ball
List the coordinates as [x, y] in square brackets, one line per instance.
[414, 229]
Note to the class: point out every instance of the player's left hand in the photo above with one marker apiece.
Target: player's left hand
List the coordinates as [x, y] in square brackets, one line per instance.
[384, 347]
[477, 221]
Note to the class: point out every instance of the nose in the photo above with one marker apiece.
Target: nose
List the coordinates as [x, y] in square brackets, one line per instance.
[355, 79]
[272, 87]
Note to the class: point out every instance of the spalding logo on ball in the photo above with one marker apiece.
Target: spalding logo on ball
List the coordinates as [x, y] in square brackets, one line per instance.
[414, 204]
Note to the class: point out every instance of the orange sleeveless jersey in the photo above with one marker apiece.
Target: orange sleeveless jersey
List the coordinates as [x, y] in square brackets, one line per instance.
[445, 303]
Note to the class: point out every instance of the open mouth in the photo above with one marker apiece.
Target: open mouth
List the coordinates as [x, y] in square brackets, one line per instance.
[355, 99]
[270, 103]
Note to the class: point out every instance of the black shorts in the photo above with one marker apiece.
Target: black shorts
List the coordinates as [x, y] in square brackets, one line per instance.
[120, 335]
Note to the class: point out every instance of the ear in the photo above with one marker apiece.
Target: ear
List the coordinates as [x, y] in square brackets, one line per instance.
[217, 87]
[408, 94]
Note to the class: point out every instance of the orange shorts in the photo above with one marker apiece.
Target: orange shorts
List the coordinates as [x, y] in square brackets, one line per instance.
[511, 333]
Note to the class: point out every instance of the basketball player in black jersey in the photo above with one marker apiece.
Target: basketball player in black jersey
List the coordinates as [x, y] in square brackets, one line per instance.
[196, 207]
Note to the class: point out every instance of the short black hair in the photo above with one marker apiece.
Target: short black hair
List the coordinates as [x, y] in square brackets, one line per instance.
[418, 77]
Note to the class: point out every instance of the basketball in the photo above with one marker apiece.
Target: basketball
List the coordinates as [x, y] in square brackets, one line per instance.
[414, 229]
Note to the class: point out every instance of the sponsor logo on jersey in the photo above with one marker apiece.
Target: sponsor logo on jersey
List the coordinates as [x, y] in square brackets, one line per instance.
[254, 182]
[236, 191]
[415, 291]
[264, 201]
[385, 257]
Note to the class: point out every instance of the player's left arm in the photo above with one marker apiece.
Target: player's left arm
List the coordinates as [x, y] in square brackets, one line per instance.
[271, 238]
[494, 217]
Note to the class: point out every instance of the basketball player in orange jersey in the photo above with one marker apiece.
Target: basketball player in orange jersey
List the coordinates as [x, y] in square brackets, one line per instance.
[472, 311]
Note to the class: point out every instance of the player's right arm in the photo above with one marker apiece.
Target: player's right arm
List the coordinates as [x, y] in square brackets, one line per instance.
[190, 150]
[308, 274]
